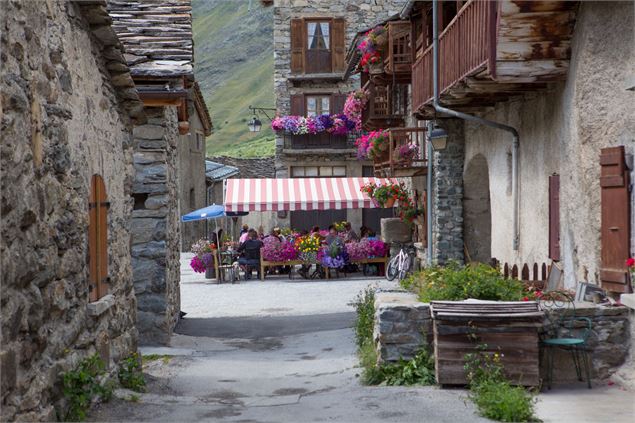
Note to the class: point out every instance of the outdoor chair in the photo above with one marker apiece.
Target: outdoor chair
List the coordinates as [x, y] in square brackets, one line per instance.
[567, 332]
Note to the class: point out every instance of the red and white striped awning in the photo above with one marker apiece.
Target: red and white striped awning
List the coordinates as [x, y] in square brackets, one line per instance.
[298, 194]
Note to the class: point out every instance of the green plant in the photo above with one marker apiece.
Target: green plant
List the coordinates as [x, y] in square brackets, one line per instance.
[153, 357]
[492, 394]
[82, 385]
[364, 305]
[130, 375]
[134, 398]
[455, 282]
[418, 371]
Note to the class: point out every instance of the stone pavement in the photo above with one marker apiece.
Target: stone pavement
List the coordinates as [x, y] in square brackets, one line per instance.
[269, 356]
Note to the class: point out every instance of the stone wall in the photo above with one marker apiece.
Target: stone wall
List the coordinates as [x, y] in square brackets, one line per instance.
[156, 226]
[447, 196]
[403, 326]
[61, 124]
[562, 130]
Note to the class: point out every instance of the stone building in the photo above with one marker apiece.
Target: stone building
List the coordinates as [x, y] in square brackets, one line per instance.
[68, 105]
[569, 103]
[310, 42]
[168, 153]
[192, 187]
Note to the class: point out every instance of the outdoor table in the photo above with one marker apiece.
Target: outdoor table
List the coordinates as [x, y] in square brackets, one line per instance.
[264, 264]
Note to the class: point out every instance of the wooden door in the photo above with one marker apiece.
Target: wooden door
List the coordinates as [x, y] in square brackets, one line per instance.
[554, 217]
[98, 239]
[615, 219]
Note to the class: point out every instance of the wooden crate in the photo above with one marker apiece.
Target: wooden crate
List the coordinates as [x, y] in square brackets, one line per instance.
[508, 328]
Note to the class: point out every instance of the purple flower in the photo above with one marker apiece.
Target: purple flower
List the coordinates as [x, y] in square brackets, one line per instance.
[197, 265]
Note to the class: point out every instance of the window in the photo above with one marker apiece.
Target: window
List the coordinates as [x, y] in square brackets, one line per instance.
[318, 35]
[192, 199]
[98, 239]
[318, 45]
[315, 171]
[318, 105]
[200, 141]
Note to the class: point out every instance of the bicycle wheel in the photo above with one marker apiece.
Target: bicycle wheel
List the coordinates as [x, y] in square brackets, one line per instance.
[393, 268]
[403, 272]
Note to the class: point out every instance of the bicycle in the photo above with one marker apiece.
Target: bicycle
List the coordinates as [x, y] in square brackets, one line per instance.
[400, 264]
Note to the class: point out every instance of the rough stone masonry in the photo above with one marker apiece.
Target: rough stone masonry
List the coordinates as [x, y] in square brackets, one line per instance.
[64, 90]
[155, 225]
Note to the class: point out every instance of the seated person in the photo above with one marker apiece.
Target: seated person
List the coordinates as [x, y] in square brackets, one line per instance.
[350, 233]
[333, 237]
[250, 253]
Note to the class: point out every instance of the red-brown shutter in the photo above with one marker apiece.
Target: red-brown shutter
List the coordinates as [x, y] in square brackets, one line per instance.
[338, 41]
[297, 45]
[615, 226]
[98, 239]
[337, 103]
[297, 105]
[554, 217]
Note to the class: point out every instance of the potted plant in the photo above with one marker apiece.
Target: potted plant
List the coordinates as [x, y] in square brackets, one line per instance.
[203, 261]
[384, 195]
[406, 153]
[371, 47]
[378, 145]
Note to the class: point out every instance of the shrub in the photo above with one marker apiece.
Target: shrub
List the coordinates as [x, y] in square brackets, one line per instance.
[418, 371]
[503, 402]
[130, 375]
[492, 394]
[455, 282]
[82, 385]
[364, 324]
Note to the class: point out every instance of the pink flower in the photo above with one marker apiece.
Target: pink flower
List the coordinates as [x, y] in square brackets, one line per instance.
[630, 262]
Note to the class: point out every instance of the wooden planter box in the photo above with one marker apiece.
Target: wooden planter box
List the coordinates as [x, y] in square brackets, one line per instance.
[508, 328]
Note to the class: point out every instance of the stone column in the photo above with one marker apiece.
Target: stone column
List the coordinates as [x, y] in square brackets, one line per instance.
[447, 196]
[155, 226]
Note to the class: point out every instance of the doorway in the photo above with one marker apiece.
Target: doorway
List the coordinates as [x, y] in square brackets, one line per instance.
[477, 216]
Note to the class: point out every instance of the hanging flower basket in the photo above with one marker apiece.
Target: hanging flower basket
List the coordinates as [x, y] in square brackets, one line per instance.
[389, 202]
[376, 68]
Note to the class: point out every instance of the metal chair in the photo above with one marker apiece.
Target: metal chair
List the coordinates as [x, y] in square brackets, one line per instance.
[566, 332]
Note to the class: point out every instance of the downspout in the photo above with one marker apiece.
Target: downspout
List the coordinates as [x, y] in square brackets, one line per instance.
[429, 153]
[479, 120]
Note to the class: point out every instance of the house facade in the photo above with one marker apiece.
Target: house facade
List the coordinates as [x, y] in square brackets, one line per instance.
[168, 155]
[563, 88]
[69, 104]
[310, 42]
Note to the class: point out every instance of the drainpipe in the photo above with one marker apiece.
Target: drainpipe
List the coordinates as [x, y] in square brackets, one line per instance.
[429, 153]
[479, 120]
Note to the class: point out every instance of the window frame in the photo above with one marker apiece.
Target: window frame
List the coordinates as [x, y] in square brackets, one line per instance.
[327, 38]
[319, 171]
[321, 97]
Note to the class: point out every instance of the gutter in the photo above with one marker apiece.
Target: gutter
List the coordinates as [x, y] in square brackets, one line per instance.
[479, 120]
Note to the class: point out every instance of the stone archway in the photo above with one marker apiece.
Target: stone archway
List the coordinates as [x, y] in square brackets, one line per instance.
[477, 216]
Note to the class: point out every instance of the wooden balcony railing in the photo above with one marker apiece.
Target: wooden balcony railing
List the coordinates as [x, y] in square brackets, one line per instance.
[316, 141]
[392, 164]
[466, 45]
[381, 110]
[399, 58]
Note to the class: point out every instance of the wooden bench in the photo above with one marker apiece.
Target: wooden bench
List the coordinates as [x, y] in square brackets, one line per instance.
[264, 264]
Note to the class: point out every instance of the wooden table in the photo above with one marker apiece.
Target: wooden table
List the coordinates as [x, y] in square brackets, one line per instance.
[264, 264]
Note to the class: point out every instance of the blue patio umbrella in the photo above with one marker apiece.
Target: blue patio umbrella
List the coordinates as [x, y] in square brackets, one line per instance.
[210, 212]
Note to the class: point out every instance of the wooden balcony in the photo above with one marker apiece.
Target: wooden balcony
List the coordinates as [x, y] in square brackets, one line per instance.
[391, 165]
[493, 50]
[384, 108]
[398, 62]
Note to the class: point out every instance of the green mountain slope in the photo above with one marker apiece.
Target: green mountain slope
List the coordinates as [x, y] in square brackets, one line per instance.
[234, 66]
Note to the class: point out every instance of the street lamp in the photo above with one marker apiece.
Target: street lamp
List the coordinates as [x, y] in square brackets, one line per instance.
[439, 138]
[254, 125]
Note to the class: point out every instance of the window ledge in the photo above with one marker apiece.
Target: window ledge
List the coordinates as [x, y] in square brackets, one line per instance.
[317, 151]
[314, 76]
[100, 306]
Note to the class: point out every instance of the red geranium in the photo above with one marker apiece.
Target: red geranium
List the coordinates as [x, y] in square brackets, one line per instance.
[630, 262]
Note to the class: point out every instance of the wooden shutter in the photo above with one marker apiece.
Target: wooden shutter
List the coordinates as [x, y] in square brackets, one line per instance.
[338, 42]
[554, 217]
[337, 103]
[297, 45]
[615, 226]
[297, 105]
[98, 239]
